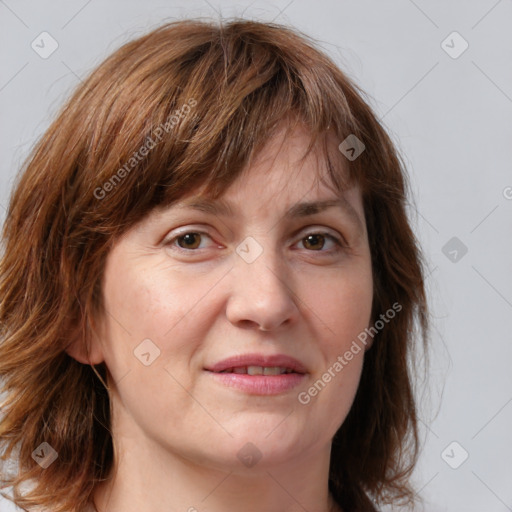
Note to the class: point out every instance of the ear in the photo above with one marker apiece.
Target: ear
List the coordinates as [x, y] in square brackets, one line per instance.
[84, 348]
[368, 343]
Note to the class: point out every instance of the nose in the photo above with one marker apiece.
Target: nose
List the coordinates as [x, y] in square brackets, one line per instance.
[261, 294]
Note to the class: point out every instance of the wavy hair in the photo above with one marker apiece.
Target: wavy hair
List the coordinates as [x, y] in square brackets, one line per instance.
[184, 106]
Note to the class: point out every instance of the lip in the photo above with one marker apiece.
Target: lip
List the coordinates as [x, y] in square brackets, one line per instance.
[259, 384]
[281, 360]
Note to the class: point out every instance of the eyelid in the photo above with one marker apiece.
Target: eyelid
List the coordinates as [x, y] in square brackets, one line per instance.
[322, 230]
[338, 240]
[169, 240]
[336, 237]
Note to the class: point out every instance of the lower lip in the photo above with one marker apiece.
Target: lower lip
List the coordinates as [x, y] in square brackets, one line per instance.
[260, 384]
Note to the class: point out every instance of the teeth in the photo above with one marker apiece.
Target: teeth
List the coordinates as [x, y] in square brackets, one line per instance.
[254, 370]
[273, 370]
[258, 370]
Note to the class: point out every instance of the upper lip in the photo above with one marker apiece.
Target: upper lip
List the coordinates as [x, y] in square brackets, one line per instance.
[279, 360]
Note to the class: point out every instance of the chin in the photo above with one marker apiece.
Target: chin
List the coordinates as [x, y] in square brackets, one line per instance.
[263, 447]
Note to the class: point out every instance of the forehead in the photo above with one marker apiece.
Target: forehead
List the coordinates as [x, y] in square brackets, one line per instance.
[292, 161]
[221, 207]
[284, 179]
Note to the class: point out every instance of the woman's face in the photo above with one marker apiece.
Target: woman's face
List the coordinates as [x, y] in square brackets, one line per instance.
[199, 301]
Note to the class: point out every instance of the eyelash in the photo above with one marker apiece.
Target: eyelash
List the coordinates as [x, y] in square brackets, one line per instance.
[337, 241]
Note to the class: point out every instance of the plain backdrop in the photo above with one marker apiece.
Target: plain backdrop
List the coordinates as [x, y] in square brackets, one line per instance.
[439, 76]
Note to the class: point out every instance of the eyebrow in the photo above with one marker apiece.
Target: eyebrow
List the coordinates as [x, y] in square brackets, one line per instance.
[303, 209]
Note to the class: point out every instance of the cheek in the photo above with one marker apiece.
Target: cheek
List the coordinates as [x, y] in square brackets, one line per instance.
[341, 310]
[342, 304]
[162, 314]
[162, 306]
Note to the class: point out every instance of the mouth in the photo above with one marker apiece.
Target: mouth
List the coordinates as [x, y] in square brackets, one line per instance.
[259, 364]
[258, 374]
[258, 370]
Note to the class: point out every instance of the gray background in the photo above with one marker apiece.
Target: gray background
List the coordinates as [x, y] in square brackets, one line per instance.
[451, 119]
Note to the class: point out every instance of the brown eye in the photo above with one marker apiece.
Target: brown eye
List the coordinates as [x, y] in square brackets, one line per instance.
[317, 241]
[189, 240]
[314, 241]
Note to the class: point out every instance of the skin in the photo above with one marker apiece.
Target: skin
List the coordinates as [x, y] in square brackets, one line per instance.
[176, 431]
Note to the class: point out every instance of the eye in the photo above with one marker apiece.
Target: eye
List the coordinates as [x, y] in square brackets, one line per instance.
[188, 241]
[316, 241]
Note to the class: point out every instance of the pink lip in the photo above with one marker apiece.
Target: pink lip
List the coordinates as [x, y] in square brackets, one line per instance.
[259, 360]
[259, 384]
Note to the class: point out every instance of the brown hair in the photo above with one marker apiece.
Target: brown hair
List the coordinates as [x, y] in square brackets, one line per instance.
[202, 98]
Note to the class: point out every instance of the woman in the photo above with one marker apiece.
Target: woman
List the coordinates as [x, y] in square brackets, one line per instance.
[209, 287]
